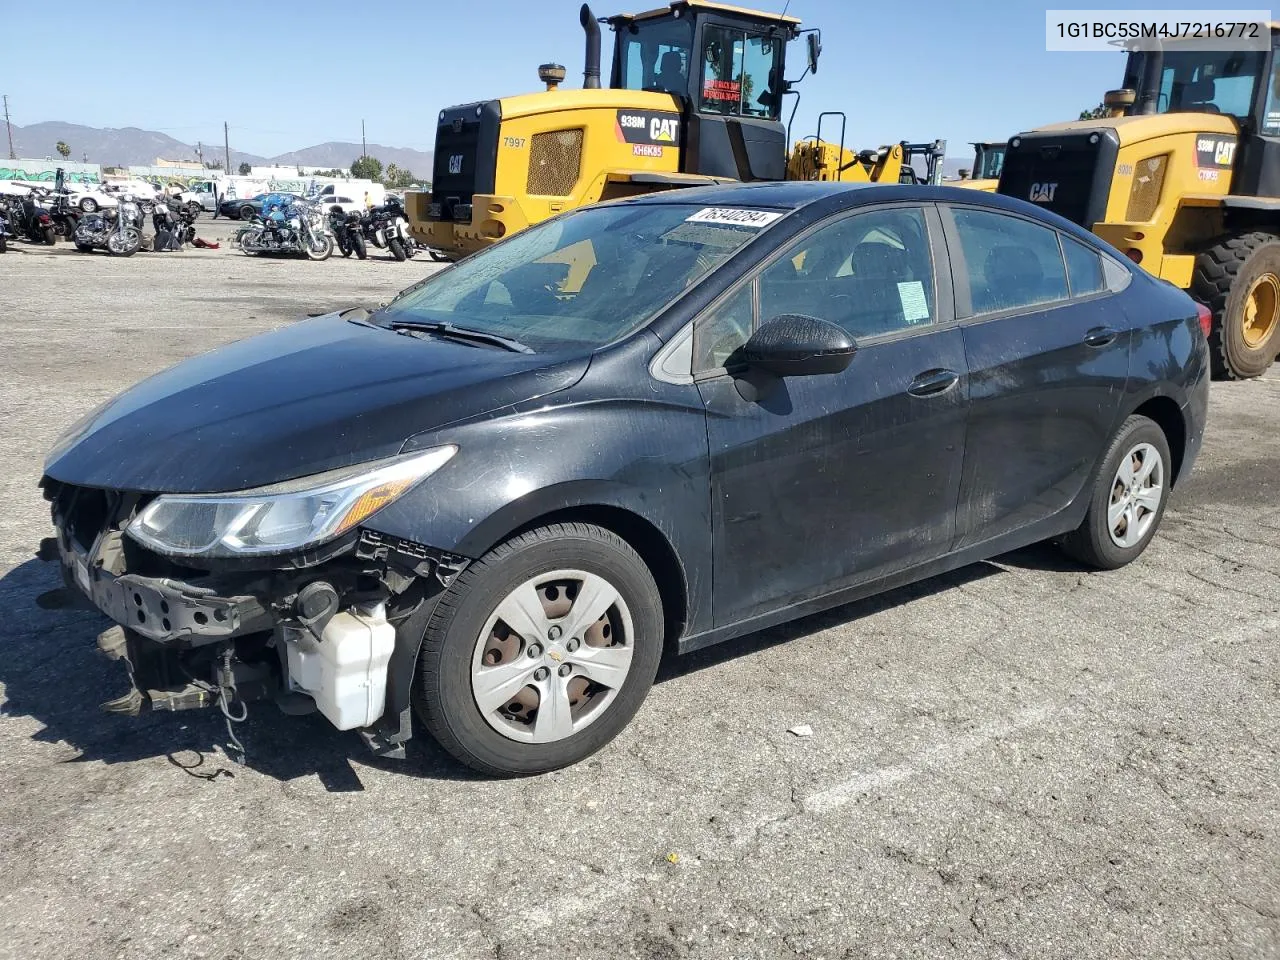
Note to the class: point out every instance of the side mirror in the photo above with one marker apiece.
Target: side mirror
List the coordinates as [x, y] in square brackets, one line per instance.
[793, 345]
[815, 50]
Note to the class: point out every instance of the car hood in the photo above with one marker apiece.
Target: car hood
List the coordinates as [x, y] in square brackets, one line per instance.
[313, 396]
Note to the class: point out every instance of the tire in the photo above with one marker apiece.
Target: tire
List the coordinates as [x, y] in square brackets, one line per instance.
[4, 244]
[1225, 277]
[410, 248]
[436, 255]
[88, 205]
[49, 235]
[246, 213]
[195, 210]
[357, 244]
[396, 248]
[344, 247]
[128, 246]
[84, 247]
[1093, 542]
[452, 648]
[324, 253]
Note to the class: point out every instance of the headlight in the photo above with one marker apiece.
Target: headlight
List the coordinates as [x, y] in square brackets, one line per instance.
[282, 517]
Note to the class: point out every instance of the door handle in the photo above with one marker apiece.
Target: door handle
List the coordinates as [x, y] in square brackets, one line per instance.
[933, 382]
[1100, 336]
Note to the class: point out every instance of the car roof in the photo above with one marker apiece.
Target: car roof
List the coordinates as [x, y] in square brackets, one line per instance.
[827, 196]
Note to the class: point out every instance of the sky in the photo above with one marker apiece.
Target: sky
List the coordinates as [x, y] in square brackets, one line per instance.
[916, 71]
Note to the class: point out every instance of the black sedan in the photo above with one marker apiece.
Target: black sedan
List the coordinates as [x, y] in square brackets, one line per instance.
[648, 425]
[247, 209]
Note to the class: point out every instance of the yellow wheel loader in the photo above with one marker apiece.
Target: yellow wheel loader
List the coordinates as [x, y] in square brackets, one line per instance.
[695, 96]
[1184, 178]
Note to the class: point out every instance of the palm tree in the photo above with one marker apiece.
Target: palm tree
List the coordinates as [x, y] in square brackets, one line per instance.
[63, 150]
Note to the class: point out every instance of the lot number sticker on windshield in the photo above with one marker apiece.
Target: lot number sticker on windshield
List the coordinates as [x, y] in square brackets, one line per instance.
[734, 217]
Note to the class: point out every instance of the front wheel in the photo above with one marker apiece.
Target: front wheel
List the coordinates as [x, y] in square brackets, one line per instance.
[344, 246]
[1130, 492]
[541, 651]
[396, 248]
[124, 244]
[246, 213]
[320, 248]
[357, 244]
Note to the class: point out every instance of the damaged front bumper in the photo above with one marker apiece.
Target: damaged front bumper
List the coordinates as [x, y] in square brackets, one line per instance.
[337, 632]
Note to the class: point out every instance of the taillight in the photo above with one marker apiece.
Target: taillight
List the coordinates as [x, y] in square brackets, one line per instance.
[44, 218]
[1206, 318]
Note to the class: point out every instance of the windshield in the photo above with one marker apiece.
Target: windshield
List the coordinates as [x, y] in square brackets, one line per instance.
[581, 280]
[654, 55]
[1204, 81]
[989, 160]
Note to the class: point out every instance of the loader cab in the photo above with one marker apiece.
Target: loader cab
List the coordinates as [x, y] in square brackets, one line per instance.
[727, 67]
[1241, 84]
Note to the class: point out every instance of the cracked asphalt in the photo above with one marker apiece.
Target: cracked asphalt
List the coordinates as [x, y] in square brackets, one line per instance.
[1021, 759]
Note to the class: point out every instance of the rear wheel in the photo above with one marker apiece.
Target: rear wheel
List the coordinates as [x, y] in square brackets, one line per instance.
[1238, 279]
[541, 651]
[50, 235]
[246, 213]
[358, 245]
[396, 248]
[194, 209]
[1129, 497]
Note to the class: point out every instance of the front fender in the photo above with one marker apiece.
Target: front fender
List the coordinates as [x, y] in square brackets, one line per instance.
[591, 446]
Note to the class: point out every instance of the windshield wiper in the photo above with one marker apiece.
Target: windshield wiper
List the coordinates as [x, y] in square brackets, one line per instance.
[459, 333]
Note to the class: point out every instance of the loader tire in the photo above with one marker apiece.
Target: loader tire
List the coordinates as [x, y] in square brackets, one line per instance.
[1238, 279]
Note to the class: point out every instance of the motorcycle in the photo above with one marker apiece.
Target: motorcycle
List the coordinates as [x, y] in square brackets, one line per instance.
[118, 230]
[4, 229]
[65, 215]
[174, 225]
[388, 228]
[297, 228]
[33, 221]
[348, 232]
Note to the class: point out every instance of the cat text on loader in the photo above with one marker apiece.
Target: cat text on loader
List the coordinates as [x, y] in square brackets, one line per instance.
[1184, 178]
[694, 97]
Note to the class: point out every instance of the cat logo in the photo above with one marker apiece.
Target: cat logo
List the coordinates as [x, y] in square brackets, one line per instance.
[664, 130]
[455, 163]
[1224, 153]
[1042, 192]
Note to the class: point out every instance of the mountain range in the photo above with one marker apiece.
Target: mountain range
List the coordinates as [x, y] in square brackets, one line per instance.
[126, 146]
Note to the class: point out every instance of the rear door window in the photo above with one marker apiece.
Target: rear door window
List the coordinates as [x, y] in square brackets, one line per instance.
[1084, 268]
[1010, 263]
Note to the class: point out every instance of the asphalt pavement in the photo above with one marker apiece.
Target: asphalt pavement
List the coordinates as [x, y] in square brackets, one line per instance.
[1021, 759]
